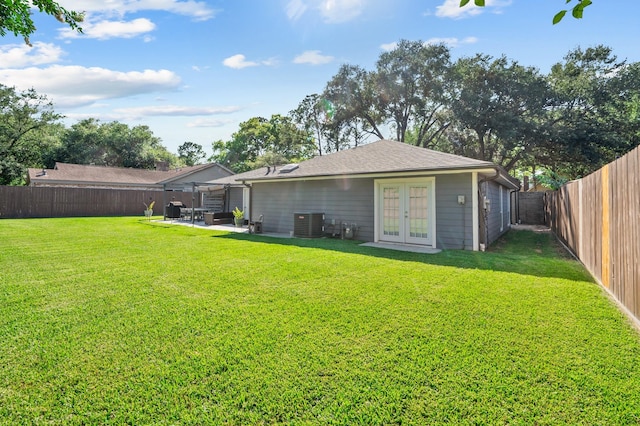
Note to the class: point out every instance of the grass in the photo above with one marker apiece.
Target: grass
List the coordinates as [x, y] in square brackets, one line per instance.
[123, 321]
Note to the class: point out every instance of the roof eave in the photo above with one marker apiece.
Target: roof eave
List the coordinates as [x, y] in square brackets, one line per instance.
[404, 172]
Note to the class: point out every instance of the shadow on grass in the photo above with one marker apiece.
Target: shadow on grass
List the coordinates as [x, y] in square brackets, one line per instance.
[522, 252]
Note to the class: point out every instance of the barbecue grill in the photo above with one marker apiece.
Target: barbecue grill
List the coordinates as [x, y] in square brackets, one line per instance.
[173, 209]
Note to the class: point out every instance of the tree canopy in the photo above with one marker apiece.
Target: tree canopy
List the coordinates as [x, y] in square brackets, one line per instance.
[567, 123]
[259, 139]
[191, 153]
[572, 121]
[24, 117]
[112, 144]
[15, 16]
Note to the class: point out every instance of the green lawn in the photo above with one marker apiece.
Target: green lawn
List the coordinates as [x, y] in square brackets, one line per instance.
[124, 321]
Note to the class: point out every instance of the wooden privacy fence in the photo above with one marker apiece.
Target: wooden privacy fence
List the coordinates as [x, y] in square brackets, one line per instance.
[528, 208]
[598, 218]
[31, 202]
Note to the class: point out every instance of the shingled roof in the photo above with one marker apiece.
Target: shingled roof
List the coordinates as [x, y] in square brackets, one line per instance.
[381, 157]
[79, 174]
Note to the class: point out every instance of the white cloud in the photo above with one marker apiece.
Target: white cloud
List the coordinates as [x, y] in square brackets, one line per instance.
[69, 86]
[99, 22]
[174, 110]
[452, 9]
[331, 11]
[198, 10]
[21, 55]
[271, 62]
[338, 11]
[238, 62]
[104, 30]
[388, 47]
[452, 41]
[209, 122]
[312, 57]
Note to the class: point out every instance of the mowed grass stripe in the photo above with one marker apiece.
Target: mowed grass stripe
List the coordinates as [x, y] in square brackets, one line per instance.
[118, 320]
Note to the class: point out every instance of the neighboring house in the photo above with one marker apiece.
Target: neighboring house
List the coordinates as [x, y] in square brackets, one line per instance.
[86, 176]
[386, 191]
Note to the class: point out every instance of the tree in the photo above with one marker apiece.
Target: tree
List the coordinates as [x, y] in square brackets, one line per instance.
[191, 153]
[112, 144]
[408, 92]
[258, 137]
[353, 93]
[333, 127]
[22, 116]
[15, 16]
[412, 80]
[309, 116]
[503, 104]
[576, 11]
[594, 116]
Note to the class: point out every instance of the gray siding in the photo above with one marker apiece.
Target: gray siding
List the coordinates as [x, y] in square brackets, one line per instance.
[497, 219]
[352, 201]
[235, 198]
[206, 175]
[454, 222]
[344, 199]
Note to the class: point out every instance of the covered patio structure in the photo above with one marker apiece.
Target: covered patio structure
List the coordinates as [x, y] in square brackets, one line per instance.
[205, 198]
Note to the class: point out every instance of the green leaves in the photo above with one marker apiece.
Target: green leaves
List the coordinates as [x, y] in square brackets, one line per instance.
[24, 116]
[477, 3]
[558, 17]
[15, 16]
[191, 153]
[577, 11]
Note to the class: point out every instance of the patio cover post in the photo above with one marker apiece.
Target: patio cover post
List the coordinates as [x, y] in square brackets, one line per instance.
[193, 201]
[164, 201]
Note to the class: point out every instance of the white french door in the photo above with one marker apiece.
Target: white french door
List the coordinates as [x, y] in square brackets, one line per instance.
[406, 212]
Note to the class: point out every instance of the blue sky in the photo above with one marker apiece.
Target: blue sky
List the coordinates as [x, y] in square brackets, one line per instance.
[193, 70]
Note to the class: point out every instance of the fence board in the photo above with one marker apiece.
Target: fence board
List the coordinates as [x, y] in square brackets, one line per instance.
[530, 208]
[32, 202]
[598, 218]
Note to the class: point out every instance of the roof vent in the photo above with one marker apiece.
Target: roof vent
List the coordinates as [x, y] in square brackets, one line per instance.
[289, 168]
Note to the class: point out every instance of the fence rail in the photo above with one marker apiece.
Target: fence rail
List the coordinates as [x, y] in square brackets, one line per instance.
[598, 218]
[31, 202]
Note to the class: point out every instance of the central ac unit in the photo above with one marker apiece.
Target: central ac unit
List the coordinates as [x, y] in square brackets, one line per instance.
[308, 225]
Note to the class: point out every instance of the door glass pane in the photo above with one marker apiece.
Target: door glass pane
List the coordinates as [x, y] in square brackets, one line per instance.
[391, 211]
[418, 208]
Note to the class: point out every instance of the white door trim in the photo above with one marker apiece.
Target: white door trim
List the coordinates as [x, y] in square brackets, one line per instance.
[404, 184]
[246, 202]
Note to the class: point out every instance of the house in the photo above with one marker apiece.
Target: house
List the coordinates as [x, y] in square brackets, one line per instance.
[89, 176]
[385, 191]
